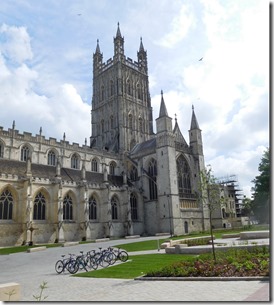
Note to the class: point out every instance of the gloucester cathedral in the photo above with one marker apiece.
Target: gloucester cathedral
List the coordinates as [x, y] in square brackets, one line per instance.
[128, 180]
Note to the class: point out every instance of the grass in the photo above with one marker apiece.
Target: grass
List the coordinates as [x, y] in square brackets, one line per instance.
[137, 265]
[141, 246]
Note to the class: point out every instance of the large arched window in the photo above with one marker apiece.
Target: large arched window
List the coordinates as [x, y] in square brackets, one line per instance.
[25, 153]
[51, 158]
[114, 208]
[133, 207]
[92, 208]
[152, 171]
[94, 165]
[6, 204]
[75, 161]
[112, 167]
[67, 208]
[39, 207]
[183, 173]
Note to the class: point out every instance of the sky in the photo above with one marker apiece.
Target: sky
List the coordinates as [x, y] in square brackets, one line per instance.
[46, 53]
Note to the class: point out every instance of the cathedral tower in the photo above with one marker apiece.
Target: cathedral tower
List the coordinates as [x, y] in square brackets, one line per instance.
[121, 106]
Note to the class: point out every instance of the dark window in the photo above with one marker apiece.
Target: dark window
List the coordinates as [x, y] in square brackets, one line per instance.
[94, 165]
[67, 208]
[183, 173]
[114, 208]
[75, 162]
[51, 158]
[39, 207]
[133, 173]
[112, 168]
[25, 153]
[1, 151]
[6, 204]
[133, 207]
[92, 204]
[152, 171]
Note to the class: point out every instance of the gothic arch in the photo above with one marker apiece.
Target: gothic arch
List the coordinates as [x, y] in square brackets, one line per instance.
[52, 156]
[112, 167]
[41, 204]
[75, 160]
[69, 206]
[8, 203]
[115, 207]
[95, 164]
[2, 147]
[184, 177]
[26, 151]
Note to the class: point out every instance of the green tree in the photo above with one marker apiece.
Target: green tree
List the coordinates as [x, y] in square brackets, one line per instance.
[261, 189]
[247, 208]
[210, 196]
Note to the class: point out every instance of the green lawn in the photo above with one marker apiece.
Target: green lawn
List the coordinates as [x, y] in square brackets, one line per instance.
[136, 265]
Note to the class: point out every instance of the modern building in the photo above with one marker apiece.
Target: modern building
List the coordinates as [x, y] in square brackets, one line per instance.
[129, 180]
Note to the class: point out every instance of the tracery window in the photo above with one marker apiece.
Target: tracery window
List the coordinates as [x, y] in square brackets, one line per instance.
[129, 89]
[51, 158]
[92, 208]
[139, 92]
[39, 207]
[152, 171]
[183, 173]
[114, 208]
[6, 205]
[112, 167]
[67, 208]
[133, 207]
[94, 165]
[25, 153]
[75, 161]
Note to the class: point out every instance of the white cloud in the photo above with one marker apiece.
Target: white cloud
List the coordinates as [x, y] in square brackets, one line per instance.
[15, 43]
[179, 27]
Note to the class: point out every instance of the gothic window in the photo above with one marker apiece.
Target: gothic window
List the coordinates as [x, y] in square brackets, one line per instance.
[92, 208]
[1, 150]
[133, 173]
[130, 121]
[140, 124]
[111, 122]
[102, 93]
[39, 207]
[183, 173]
[6, 204]
[67, 208]
[114, 208]
[25, 153]
[139, 92]
[75, 161]
[129, 89]
[111, 88]
[94, 165]
[51, 158]
[112, 166]
[133, 207]
[152, 171]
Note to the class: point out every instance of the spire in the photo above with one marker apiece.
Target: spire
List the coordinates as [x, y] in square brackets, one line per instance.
[163, 110]
[194, 122]
[118, 33]
[141, 49]
[97, 47]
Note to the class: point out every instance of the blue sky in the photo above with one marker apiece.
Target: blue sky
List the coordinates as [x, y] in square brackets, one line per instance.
[46, 50]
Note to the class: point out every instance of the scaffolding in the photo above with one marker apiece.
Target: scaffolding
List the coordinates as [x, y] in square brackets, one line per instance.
[233, 186]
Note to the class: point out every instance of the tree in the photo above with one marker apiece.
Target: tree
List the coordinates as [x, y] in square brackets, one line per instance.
[211, 197]
[247, 208]
[261, 190]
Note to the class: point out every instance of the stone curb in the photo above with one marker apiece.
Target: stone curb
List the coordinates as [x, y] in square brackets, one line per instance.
[247, 278]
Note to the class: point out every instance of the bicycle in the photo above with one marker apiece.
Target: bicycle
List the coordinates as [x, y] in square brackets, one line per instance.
[64, 263]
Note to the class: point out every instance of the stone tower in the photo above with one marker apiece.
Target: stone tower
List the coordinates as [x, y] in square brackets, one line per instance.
[121, 106]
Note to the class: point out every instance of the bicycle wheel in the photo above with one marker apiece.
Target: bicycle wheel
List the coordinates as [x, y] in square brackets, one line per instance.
[73, 266]
[92, 262]
[59, 267]
[123, 256]
[104, 260]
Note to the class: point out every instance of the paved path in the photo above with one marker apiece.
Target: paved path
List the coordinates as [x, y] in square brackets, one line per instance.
[31, 269]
